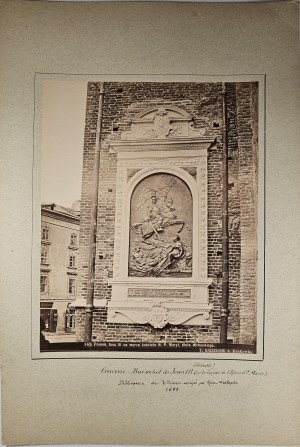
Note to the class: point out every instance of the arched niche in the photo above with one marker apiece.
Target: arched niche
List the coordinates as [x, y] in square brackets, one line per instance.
[161, 227]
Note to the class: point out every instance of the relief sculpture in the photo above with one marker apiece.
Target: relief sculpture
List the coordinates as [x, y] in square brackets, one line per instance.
[163, 124]
[161, 236]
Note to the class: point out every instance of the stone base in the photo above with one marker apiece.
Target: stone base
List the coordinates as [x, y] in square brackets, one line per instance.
[159, 314]
[169, 301]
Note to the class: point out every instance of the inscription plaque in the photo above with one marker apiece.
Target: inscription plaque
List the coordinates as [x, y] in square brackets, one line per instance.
[159, 293]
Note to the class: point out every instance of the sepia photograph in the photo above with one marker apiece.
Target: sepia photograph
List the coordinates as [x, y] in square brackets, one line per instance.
[149, 217]
[149, 260]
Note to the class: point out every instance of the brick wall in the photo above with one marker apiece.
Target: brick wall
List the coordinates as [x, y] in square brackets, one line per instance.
[122, 101]
[247, 99]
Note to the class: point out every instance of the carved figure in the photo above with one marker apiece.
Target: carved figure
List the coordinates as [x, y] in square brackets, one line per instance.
[154, 218]
[161, 123]
[156, 250]
[152, 257]
[160, 214]
[139, 257]
[172, 253]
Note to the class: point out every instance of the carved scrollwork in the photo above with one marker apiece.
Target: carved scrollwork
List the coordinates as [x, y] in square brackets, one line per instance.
[160, 314]
[163, 124]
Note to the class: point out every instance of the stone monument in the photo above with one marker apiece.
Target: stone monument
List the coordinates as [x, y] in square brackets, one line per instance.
[160, 250]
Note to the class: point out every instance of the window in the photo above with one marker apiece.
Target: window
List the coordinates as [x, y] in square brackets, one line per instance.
[71, 286]
[72, 261]
[45, 233]
[44, 256]
[73, 240]
[44, 283]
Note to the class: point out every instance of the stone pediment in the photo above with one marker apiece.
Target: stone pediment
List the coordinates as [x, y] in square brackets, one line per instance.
[162, 123]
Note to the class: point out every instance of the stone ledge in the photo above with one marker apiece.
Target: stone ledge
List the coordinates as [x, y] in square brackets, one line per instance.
[81, 302]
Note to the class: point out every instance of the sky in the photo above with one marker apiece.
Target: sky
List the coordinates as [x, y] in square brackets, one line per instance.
[63, 117]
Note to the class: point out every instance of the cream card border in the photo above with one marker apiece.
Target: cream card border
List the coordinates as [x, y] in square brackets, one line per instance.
[68, 401]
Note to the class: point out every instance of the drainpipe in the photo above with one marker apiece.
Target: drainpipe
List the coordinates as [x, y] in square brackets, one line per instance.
[93, 227]
[225, 241]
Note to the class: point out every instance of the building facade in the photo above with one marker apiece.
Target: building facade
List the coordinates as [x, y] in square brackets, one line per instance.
[158, 254]
[59, 264]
